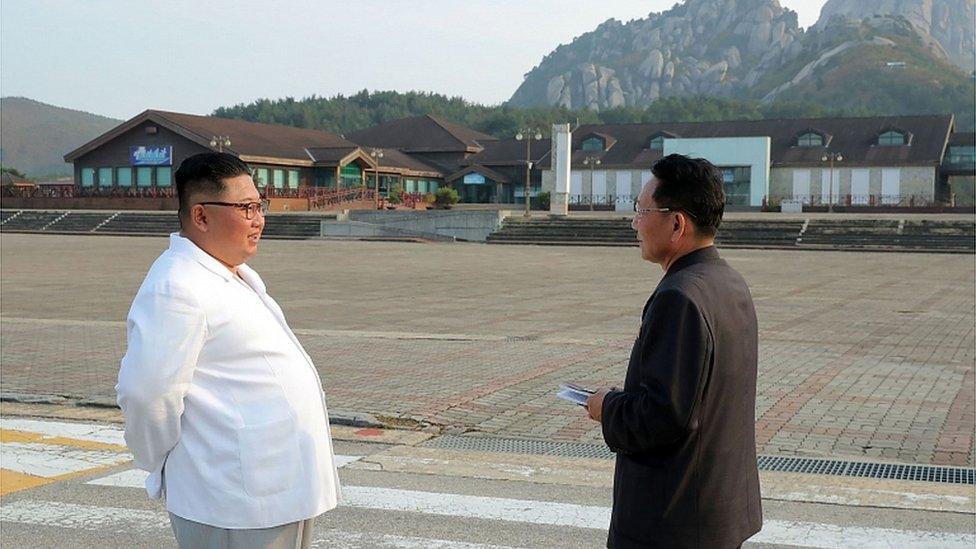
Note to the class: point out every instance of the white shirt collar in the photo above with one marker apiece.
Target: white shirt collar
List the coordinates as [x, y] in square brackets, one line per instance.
[179, 244]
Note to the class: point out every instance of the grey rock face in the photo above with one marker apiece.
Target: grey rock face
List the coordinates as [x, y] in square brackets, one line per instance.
[726, 47]
[700, 46]
[949, 23]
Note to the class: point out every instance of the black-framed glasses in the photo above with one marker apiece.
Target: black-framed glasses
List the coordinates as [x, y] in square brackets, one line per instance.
[641, 211]
[249, 208]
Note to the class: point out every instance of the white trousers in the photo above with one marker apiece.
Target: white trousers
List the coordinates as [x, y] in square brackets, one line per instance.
[194, 535]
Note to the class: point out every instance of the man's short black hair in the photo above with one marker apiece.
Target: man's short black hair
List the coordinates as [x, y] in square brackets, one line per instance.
[692, 185]
[205, 173]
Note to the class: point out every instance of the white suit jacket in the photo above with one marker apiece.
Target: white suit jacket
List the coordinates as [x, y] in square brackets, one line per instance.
[222, 405]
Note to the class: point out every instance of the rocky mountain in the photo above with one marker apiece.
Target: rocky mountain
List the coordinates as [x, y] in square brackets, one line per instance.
[948, 25]
[707, 47]
[35, 136]
[752, 50]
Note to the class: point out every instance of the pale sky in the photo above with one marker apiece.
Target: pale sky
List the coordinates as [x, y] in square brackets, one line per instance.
[117, 58]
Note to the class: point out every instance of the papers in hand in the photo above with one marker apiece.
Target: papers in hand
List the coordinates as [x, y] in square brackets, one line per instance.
[574, 393]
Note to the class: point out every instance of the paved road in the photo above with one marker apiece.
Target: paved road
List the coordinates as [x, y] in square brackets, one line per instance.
[864, 355]
[69, 484]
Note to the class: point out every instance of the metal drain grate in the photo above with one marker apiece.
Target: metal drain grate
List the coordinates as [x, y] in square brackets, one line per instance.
[519, 446]
[889, 471]
[813, 466]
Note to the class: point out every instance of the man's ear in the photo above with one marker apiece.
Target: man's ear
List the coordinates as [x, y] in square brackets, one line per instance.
[198, 217]
[680, 226]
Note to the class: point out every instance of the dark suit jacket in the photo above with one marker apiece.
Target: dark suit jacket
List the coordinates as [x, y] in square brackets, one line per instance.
[684, 425]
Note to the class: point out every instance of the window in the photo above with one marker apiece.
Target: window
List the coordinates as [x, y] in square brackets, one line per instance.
[87, 177]
[737, 181]
[123, 176]
[434, 186]
[261, 177]
[411, 186]
[293, 179]
[962, 155]
[105, 178]
[592, 144]
[810, 139]
[891, 138]
[657, 143]
[279, 179]
[144, 176]
[164, 176]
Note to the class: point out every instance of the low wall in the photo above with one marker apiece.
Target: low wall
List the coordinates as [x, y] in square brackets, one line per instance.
[469, 225]
[89, 203]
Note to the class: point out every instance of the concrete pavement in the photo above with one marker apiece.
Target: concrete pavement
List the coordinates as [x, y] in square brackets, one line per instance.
[862, 355]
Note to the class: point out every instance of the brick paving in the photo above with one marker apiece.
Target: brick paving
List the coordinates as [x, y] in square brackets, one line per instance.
[863, 355]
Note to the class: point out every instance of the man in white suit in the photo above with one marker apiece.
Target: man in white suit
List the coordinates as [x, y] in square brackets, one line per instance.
[222, 404]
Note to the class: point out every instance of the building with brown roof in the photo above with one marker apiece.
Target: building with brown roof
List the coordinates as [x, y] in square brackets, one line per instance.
[139, 155]
[876, 160]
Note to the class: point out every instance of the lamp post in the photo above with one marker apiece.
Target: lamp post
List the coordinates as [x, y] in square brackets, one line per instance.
[376, 154]
[528, 134]
[831, 157]
[591, 162]
[220, 141]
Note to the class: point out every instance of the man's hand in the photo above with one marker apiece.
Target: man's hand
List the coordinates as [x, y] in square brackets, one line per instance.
[594, 403]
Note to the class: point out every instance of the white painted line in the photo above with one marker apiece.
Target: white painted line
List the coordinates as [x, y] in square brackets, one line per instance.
[48, 460]
[813, 534]
[135, 478]
[342, 461]
[83, 517]
[801, 534]
[131, 478]
[350, 540]
[489, 508]
[81, 431]
[128, 521]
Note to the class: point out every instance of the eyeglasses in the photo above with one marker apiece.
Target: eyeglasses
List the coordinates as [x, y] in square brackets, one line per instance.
[249, 208]
[641, 211]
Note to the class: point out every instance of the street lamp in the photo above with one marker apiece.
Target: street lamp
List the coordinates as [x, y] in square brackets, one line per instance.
[528, 134]
[831, 157]
[220, 141]
[591, 162]
[376, 154]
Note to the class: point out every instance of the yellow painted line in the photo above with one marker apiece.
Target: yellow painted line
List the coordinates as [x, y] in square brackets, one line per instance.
[8, 435]
[12, 481]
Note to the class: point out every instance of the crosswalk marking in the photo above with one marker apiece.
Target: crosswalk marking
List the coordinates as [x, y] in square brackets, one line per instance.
[795, 533]
[45, 460]
[83, 517]
[802, 534]
[128, 521]
[81, 431]
[490, 508]
[336, 538]
[35, 452]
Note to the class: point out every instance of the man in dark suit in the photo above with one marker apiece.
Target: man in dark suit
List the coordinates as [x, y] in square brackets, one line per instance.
[683, 427]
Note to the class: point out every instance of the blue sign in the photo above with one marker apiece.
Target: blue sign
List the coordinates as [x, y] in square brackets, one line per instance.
[474, 178]
[151, 156]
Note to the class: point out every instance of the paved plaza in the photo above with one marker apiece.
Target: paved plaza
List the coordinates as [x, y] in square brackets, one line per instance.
[862, 355]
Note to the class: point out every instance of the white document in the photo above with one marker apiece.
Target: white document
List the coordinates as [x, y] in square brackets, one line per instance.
[574, 393]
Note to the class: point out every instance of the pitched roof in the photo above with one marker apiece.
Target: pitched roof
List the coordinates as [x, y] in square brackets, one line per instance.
[8, 179]
[247, 138]
[855, 138]
[394, 161]
[487, 172]
[427, 133]
[506, 152]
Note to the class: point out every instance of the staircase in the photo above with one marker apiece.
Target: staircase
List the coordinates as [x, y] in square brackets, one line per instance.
[815, 234]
